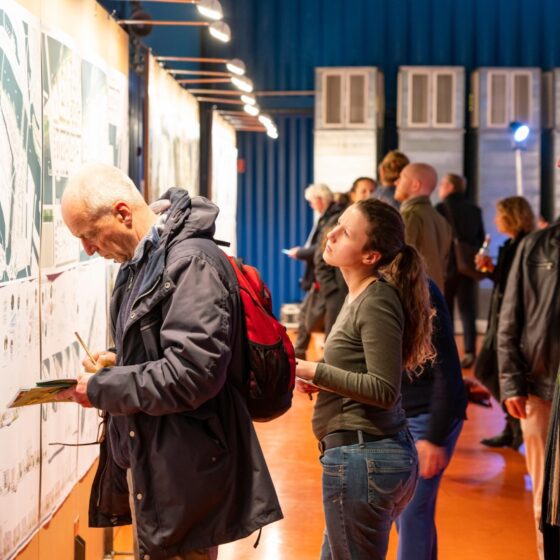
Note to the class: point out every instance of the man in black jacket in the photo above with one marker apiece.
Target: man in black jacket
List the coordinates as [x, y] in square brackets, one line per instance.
[178, 424]
[312, 309]
[466, 220]
[529, 347]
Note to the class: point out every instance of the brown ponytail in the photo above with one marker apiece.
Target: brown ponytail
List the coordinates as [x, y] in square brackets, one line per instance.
[403, 266]
[407, 272]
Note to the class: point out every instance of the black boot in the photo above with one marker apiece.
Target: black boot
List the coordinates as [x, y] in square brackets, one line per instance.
[505, 439]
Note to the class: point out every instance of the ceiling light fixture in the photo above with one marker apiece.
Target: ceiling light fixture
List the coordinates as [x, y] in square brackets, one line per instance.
[234, 65]
[218, 29]
[243, 83]
[248, 100]
[212, 9]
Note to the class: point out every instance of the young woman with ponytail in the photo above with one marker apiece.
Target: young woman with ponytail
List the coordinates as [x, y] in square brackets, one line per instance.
[370, 465]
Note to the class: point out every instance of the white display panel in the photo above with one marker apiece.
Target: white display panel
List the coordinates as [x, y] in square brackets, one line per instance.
[59, 107]
[342, 156]
[174, 134]
[224, 181]
[19, 428]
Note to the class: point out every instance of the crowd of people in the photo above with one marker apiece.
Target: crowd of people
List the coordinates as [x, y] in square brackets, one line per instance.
[180, 459]
[518, 359]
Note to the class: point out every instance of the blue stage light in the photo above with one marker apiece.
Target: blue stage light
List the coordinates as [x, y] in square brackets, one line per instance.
[520, 132]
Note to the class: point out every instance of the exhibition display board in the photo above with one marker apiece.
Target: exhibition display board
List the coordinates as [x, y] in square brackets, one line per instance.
[173, 126]
[224, 180]
[63, 102]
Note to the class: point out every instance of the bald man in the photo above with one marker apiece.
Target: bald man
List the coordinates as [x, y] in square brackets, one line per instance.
[178, 431]
[425, 228]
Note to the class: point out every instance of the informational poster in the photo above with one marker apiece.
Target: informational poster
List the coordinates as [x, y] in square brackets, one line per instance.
[174, 134]
[19, 427]
[20, 142]
[92, 321]
[62, 148]
[60, 359]
[85, 119]
[224, 180]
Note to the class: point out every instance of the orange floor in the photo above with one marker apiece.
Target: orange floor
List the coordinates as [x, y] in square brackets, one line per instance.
[484, 508]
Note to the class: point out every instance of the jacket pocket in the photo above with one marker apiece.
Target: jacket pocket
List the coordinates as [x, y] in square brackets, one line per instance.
[150, 327]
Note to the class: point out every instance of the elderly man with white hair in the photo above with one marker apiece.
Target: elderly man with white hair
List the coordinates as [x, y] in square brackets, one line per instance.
[321, 200]
[181, 459]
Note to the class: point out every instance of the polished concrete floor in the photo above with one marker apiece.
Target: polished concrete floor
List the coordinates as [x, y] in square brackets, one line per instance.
[484, 507]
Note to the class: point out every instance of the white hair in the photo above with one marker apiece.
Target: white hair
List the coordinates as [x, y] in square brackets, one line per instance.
[98, 186]
[319, 190]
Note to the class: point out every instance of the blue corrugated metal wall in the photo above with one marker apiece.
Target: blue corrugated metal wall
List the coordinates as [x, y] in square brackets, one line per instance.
[282, 41]
[272, 213]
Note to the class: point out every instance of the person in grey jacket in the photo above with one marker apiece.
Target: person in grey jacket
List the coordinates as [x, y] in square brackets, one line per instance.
[177, 421]
[529, 347]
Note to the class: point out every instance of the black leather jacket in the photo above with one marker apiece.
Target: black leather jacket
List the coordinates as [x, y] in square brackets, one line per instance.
[529, 325]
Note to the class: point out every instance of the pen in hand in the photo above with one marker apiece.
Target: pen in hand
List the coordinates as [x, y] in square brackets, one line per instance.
[86, 349]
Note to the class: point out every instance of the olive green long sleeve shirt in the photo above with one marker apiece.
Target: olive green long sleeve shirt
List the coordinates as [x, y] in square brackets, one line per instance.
[362, 369]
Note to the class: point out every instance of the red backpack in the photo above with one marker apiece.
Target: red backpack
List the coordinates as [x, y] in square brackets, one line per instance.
[271, 357]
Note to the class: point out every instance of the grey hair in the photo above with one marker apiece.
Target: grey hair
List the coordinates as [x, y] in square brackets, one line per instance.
[319, 190]
[98, 186]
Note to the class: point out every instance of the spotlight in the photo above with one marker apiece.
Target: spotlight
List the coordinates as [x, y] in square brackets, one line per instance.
[248, 100]
[272, 132]
[236, 66]
[243, 83]
[252, 110]
[220, 31]
[211, 9]
[520, 132]
[266, 120]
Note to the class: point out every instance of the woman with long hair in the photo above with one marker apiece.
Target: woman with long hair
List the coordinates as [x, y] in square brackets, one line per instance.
[515, 219]
[370, 464]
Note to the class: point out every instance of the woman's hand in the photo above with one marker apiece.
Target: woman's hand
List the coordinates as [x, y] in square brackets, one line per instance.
[484, 263]
[306, 370]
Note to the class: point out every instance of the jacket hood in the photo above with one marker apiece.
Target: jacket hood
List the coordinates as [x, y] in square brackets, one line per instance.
[188, 217]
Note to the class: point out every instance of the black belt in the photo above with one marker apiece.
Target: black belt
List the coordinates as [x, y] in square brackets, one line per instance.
[347, 437]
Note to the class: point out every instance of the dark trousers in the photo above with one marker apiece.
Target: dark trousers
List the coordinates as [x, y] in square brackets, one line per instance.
[463, 288]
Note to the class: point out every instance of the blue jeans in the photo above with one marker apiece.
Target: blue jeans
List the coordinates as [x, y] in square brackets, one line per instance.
[416, 525]
[365, 487]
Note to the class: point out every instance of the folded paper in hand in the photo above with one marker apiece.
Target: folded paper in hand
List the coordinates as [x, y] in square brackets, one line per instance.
[43, 392]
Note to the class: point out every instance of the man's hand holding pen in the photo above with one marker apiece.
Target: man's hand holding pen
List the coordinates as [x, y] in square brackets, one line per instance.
[92, 363]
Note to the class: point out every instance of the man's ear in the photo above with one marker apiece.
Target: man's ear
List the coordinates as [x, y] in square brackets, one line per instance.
[123, 213]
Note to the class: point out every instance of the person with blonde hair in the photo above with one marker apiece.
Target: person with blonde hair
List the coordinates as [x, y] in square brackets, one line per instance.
[515, 219]
[383, 328]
